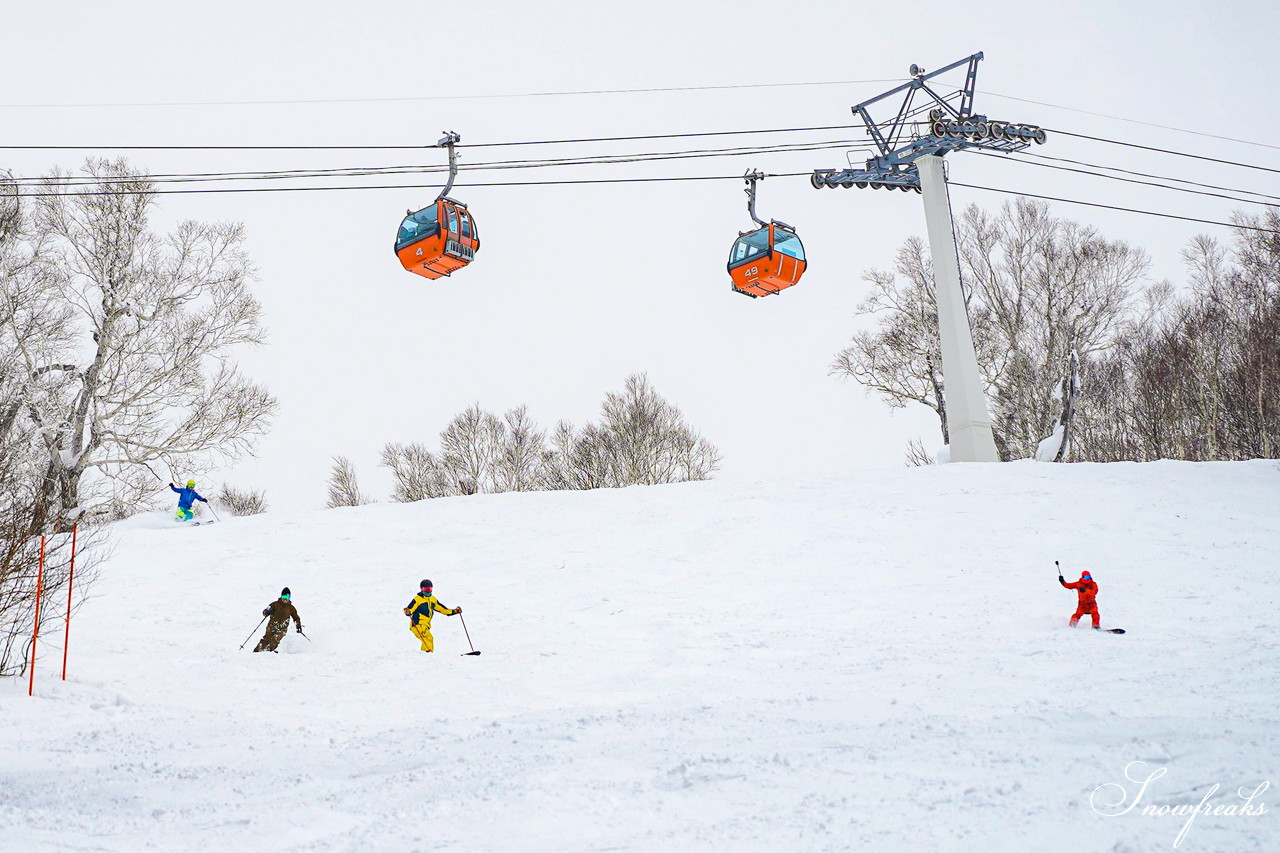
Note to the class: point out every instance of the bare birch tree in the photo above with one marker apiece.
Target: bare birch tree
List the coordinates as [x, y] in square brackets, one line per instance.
[517, 466]
[902, 360]
[1037, 289]
[641, 439]
[1199, 378]
[35, 327]
[469, 448]
[648, 439]
[138, 342]
[577, 459]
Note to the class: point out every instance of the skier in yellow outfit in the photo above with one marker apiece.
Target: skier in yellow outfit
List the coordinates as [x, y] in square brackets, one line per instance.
[420, 611]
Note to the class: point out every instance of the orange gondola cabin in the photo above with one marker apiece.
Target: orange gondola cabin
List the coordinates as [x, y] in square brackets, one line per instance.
[766, 261]
[437, 240]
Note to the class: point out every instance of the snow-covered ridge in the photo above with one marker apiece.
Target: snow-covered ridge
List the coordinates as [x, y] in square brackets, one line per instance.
[877, 663]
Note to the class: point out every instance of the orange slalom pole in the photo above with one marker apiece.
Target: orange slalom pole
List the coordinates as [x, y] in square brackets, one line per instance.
[66, 640]
[35, 632]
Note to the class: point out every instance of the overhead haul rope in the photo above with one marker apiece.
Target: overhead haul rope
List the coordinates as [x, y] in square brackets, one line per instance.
[1115, 207]
[373, 171]
[640, 181]
[1039, 156]
[457, 97]
[406, 186]
[1123, 179]
[641, 90]
[1163, 150]
[420, 146]
[605, 160]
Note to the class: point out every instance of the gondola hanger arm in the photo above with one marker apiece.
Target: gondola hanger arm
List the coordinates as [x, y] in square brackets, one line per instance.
[449, 140]
[751, 176]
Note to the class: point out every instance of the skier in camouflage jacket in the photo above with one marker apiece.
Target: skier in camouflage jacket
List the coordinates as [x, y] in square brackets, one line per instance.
[281, 611]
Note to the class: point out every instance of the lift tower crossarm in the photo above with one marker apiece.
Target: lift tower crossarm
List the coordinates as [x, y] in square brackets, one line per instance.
[952, 126]
[886, 143]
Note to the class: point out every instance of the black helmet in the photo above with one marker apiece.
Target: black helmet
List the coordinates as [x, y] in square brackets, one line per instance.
[426, 584]
[284, 593]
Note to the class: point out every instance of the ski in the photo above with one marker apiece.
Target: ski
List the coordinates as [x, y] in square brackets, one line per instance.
[1111, 630]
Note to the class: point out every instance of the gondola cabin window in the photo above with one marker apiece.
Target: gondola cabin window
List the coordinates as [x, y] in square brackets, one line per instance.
[417, 225]
[788, 244]
[749, 247]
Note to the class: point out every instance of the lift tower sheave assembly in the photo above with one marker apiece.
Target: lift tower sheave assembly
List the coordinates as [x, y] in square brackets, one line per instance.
[909, 159]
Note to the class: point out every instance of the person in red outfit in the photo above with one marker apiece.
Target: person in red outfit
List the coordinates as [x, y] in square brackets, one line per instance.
[1087, 590]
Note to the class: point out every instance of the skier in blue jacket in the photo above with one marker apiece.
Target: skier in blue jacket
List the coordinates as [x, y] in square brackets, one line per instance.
[185, 498]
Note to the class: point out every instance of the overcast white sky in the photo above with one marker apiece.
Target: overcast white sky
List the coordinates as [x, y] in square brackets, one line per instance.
[575, 287]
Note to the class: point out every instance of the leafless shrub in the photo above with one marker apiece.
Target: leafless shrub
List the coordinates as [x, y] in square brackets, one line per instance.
[417, 471]
[19, 572]
[343, 488]
[242, 501]
[641, 439]
[917, 456]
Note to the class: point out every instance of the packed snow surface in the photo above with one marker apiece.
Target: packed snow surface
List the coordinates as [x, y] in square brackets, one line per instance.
[874, 663]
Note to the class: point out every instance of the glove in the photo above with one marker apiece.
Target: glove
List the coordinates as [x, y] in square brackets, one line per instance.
[204, 500]
[456, 611]
[172, 486]
[266, 611]
[299, 629]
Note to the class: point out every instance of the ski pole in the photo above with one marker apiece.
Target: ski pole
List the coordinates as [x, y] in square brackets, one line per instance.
[212, 510]
[251, 633]
[309, 640]
[468, 633]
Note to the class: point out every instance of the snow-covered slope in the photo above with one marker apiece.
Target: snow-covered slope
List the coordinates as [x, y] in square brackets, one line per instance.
[877, 663]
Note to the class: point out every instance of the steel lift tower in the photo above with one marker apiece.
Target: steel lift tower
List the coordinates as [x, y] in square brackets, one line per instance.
[910, 159]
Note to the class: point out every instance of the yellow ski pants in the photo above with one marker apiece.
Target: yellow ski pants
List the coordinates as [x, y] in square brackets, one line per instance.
[423, 632]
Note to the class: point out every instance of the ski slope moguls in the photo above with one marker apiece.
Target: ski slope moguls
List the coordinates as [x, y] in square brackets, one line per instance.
[877, 663]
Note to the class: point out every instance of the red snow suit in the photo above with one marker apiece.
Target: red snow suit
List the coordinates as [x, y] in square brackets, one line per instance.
[1087, 590]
